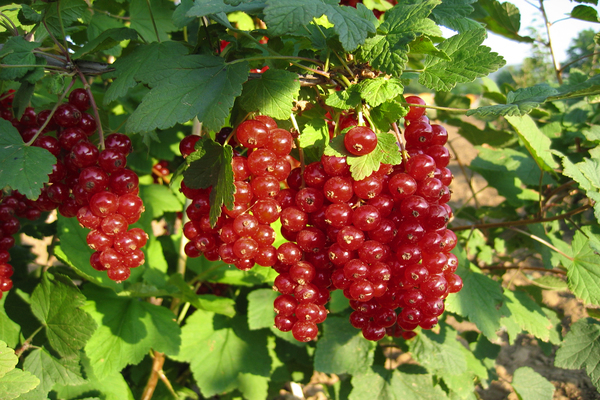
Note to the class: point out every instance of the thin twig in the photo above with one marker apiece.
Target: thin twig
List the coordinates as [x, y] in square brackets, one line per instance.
[542, 241]
[542, 269]
[507, 224]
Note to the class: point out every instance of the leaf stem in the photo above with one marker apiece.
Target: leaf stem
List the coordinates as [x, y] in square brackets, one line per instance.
[14, 27]
[578, 59]
[27, 343]
[508, 224]
[542, 241]
[300, 150]
[153, 20]
[462, 110]
[94, 108]
[542, 269]
[156, 373]
[62, 30]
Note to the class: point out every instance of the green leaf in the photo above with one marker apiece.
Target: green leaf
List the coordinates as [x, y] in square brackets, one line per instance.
[488, 135]
[64, 14]
[29, 14]
[388, 50]
[583, 270]
[285, 16]
[260, 308]
[424, 45]
[381, 384]
[345, 99]
[208, 302]
[525, 312]
[17, 51]
[106, 40]
[449, 12]
[17, 382]
[272, 94]
[142, 60]
[161, 199]
[387, 152]
[143, 19]
[574, 171]
[23, 168]
[470, 60]
[507, 170]
[379, 90]
[342, 349]
[585, 13]
[113, 387]
[57, 303]
[589, 87]
[535, 141]
[519, 102]
[128, 329]
[581, 349]
[50, 370]
[213, 169]
[229, 349]
[503, 19]
[479, 300]
[440, 353]
[353, 25]
[203, 8]
[192, 86]
[8, 359]
[530, 385]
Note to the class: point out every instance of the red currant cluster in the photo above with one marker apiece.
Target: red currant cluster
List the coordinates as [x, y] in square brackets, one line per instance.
[87, 183]
[242, 236]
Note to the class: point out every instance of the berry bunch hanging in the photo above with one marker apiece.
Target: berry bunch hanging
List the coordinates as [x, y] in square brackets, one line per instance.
[86, 182]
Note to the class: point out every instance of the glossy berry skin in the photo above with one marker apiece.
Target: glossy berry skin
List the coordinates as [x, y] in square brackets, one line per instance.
[123, 181]
[67, 115]
[360, 140]
[187, 145]
[119, 142]
[80, 99]
[252, 134]
[415, 113]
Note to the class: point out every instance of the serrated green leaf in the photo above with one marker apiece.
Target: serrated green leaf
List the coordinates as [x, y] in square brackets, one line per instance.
[57, 303]
[424, 45]
[581, 349]
[285, 16]
[272, 94]
[113, 387]
[192, 86]
[589, 87]
[590, 168]
[519, 102]
[387, 152]
[203, 8]
[583, 270]
[161, 199]
[143, 20]
[551, 282]
[9, 330]
[450, 12]
[8, 359]
[65, 14]
[128, 329]
[381, 384]
[345, 99]
[49, 370]
[141, 60]
[440, 353]
[535, 141]
[503, 19]
[29, 14]
[388, 50]
[17, 382]
[479, 300]
[470, 60]
[530, 385]
[17, 51]
[23, 168]
[260, 308]
[106, 40]
[213, 169]
[525, 312]
[228, 350]
[342, 349]
[387, 113]
[353, 25]
[585, 13]
[379, 90]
